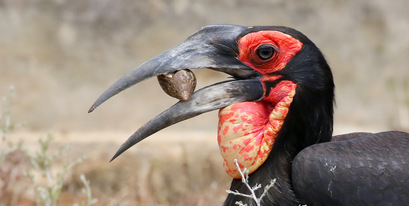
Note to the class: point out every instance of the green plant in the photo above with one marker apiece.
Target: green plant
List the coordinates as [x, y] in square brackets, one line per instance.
[17, 163]
[13, 184]
[43, 162]
[87, 191]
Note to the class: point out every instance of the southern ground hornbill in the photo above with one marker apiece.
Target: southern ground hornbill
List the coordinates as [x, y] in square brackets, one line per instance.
[276, 117]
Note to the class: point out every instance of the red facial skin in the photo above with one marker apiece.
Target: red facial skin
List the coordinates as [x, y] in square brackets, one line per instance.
[247, 130]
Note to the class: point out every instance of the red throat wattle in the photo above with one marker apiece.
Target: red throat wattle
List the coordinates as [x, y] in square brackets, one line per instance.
[247, 130]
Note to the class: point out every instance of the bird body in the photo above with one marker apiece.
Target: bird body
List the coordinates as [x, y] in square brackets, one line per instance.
[276, 119]
[355, 169]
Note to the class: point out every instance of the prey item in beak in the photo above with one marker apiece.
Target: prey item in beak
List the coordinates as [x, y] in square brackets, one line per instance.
[213, 47]
[180, 84]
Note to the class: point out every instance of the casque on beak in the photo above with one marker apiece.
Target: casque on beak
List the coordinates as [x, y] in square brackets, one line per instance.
[213, 47]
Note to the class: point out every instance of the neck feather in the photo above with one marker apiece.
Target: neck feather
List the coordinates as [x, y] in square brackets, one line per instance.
[308, 122]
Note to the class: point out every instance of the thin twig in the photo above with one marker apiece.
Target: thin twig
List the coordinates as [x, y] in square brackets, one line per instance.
[245, 179]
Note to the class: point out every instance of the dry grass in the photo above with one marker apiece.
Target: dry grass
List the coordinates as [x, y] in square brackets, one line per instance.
[181, 170]
[161, 173]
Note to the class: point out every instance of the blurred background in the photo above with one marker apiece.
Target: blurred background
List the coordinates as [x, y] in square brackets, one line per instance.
[60, 55]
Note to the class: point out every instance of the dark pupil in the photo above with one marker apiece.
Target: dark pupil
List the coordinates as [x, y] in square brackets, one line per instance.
[265, 52]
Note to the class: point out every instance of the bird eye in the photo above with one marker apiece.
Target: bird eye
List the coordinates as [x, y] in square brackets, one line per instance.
[265, 51]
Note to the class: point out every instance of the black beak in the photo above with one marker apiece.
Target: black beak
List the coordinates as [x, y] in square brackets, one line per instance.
[213, 47]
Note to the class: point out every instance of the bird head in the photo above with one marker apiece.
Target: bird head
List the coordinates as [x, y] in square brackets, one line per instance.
[281, 92]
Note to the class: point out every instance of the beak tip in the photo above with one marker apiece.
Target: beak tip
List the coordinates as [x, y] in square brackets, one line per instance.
[91, 109]
[112, 159]
[115, 156]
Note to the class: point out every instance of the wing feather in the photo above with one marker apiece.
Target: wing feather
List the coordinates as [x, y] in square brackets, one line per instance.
[354, 169]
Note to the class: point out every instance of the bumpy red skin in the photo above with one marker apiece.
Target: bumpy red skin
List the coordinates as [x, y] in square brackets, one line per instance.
[247, 130]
